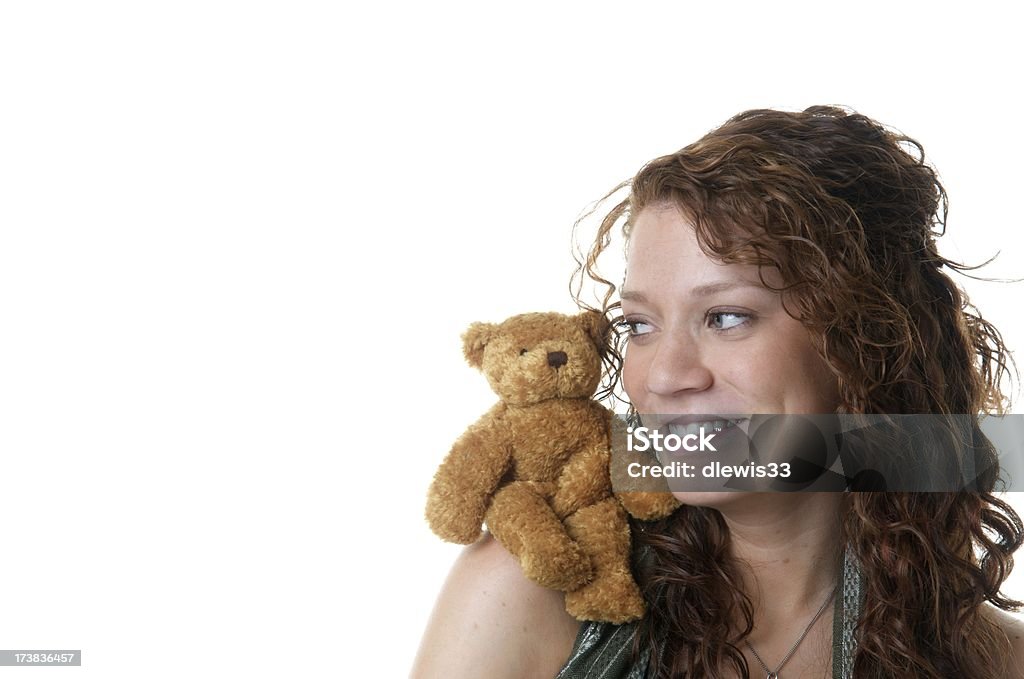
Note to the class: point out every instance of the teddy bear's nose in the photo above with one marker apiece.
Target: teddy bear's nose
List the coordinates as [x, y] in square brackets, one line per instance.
[556, 359]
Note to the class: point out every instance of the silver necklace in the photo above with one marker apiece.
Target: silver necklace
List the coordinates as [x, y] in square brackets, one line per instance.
[774, 674]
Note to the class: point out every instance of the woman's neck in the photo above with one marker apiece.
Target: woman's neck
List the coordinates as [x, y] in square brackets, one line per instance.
[791, 548]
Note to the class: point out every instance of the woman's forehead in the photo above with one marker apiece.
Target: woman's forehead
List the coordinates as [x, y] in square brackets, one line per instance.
[663, 251]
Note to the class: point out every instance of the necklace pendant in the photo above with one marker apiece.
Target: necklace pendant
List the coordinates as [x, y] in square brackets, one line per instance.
[772, 675]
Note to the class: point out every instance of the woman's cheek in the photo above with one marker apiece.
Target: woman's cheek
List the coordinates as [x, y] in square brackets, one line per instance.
[631, 377]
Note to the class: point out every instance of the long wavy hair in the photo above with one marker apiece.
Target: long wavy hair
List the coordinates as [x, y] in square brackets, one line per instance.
[848, 212]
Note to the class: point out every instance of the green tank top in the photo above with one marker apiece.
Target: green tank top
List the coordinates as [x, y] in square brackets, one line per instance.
[605, 651]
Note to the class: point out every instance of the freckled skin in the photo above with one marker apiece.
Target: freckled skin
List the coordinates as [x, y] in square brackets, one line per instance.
[491, 621]
[734, 350]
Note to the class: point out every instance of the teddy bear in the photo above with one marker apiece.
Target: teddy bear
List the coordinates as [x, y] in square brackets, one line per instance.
[535, 467]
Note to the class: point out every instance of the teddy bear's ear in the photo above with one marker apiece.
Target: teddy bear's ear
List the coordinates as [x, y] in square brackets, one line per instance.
[595, 325]
[474, 340]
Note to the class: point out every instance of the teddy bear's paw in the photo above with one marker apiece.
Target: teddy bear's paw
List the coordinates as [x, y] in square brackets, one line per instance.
[564, 569]
[648, 506]
[452, 527]
[614, 598]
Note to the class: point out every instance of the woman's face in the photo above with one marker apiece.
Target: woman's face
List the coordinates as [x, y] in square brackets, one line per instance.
[708, 338]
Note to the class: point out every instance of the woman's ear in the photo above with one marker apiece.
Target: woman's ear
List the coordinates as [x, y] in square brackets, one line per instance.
[596, 326]
[475, 340]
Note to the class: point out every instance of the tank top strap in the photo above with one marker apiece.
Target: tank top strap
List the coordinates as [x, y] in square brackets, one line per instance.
[847, 612]
[604, 651]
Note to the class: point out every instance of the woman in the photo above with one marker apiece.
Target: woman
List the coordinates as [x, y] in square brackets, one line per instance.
[784, 263]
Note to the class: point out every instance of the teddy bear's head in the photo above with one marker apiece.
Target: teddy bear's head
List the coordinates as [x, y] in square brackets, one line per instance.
[534, 357]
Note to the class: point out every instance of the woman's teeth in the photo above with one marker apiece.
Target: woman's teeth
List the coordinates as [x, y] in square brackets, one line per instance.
[695, 427]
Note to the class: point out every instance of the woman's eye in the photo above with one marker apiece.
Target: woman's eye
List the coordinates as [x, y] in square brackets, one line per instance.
[635, 328]
[726, 320]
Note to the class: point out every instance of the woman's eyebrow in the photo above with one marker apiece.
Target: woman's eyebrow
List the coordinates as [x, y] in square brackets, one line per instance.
[698, 291]
[633, 296]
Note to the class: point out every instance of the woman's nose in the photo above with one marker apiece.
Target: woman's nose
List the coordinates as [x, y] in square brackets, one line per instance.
[676, 366]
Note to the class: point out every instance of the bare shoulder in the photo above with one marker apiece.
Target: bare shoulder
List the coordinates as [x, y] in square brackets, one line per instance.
[489, 620]
[1013, 625]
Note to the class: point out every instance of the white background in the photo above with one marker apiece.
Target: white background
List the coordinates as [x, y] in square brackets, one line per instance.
[239, 241]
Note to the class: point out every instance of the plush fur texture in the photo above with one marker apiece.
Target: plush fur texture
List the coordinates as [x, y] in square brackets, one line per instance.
[535, 467]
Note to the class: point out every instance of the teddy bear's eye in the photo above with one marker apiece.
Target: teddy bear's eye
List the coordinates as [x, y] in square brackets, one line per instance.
[522, 351]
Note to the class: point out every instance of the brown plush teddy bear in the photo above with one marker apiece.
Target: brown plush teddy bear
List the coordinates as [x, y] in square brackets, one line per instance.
[535, 467]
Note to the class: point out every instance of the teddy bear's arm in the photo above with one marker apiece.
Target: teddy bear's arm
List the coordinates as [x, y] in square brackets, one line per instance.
[646, 498]
[584, 480]
[466, 481]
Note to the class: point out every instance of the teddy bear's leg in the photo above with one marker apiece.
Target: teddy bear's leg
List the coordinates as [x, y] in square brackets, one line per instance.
[525, 524]
[612, 596]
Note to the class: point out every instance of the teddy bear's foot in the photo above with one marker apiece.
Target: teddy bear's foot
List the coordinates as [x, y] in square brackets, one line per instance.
[614, 598]
[565, 567]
